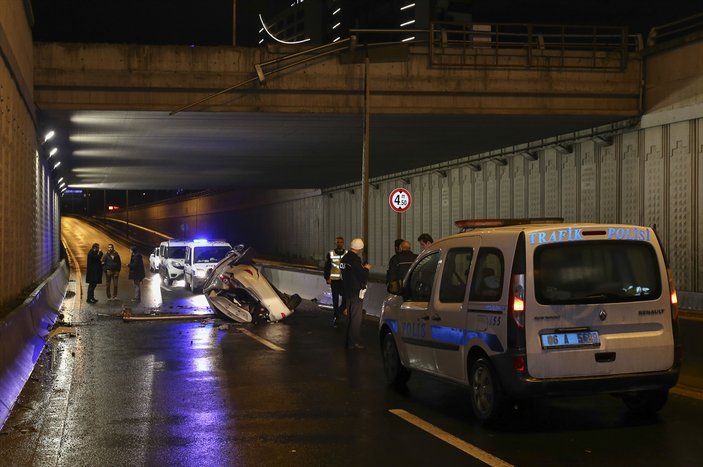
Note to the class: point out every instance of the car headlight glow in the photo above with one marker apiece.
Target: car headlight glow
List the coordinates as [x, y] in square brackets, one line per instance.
[200, 273]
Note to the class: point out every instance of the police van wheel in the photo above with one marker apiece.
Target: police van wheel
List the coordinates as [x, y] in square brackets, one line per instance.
[646, 402]
[487, 398]
[396, 373]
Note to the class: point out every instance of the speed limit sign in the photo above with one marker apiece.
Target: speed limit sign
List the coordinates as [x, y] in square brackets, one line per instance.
[400, 200]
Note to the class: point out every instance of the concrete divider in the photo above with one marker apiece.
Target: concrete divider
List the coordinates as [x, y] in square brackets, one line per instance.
[312, 284]
[22, 336]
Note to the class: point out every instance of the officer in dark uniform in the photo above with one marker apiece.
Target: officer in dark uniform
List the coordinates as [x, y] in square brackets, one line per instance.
[354, 277]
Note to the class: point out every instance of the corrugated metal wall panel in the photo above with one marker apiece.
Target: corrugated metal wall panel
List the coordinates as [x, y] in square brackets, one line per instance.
[520, 189]
[644, 177]
[680, 204]
[653, 180]
[535, 189]
[609, 176]
[630, 180]
[589, 182]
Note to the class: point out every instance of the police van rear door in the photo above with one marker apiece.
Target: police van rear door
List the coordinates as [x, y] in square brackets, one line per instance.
[597, 302]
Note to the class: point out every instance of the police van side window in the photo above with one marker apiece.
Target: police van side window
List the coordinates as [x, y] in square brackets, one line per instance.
[487, 282]
[455, 275]
[422, 277]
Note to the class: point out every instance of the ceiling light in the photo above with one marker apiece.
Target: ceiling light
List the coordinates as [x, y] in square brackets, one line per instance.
[56, 165]
[409, 5]
[407, 23]
[49, 135]
[53, 151]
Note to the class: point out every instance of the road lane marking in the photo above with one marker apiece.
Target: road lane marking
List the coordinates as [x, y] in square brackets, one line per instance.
[268, 344]
[468, 448]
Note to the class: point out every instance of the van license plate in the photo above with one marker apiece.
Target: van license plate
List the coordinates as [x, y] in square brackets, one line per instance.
[562, 340]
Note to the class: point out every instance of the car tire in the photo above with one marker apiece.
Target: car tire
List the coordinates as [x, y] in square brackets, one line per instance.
[646, 402]
[487, 399]
[396, 373]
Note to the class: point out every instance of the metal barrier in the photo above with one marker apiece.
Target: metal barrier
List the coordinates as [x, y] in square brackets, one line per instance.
[509, 45]
[675, 30]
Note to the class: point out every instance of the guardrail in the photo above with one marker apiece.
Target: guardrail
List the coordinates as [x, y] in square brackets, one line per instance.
[675, 30]
[510, 45]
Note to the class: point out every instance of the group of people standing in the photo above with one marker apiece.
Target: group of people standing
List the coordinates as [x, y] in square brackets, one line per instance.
[110, 264]
[347, 274]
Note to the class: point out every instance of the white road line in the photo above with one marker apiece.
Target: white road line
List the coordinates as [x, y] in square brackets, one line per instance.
[468, 448]
[268, 344]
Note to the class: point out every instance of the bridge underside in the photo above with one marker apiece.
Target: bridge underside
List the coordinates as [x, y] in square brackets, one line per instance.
[198, 150]
[122, 112]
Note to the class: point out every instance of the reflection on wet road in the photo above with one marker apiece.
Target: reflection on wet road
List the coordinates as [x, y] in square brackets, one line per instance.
[209, 392]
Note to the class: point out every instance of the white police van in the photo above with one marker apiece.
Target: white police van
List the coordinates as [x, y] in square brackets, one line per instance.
[201, 257]
[524, 308]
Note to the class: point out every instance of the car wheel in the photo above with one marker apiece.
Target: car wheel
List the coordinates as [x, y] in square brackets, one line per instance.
[487, 399]
[646, 402]
[396, 373]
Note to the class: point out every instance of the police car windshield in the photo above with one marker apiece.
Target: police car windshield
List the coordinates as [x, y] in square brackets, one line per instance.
[176, 252]
[596, 272]
[210, 254]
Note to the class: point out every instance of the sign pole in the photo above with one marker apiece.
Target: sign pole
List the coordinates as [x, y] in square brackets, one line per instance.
[365, 164]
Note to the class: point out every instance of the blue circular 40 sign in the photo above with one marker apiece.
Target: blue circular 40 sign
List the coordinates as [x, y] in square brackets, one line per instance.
[400, 200]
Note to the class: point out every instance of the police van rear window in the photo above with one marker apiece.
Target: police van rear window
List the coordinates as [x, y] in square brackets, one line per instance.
[596, 272]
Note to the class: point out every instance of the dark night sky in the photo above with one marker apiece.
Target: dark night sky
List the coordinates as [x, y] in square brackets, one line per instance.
[209, 22]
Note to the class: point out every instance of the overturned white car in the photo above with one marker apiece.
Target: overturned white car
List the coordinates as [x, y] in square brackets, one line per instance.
[238, 290]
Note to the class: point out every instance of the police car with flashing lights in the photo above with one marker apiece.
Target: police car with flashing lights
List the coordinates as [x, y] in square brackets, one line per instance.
[523, 308]
[201, 257]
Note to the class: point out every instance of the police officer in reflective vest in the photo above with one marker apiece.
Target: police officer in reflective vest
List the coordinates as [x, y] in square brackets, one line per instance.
[333, 276]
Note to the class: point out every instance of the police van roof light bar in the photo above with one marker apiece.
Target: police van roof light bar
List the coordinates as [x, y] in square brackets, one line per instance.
[469, 224]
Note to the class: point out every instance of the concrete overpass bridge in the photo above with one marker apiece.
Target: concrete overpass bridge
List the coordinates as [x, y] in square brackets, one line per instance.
[288, 112]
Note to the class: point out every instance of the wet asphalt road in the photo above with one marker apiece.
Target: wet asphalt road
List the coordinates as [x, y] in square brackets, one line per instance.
[197, 393]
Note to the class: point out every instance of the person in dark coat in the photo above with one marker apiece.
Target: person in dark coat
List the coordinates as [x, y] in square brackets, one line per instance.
[112, 265]
[399, 265]
[94, 271]
[354, 277]
[136, 273]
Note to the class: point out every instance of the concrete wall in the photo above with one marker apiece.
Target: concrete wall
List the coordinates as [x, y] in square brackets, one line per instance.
[29, 207]
[166, 78]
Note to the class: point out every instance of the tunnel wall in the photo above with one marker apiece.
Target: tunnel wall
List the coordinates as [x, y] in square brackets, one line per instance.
[645, 176]
[29, 207]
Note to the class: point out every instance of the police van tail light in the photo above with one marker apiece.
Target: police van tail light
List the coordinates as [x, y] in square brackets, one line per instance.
[517, 300]
[673, 297]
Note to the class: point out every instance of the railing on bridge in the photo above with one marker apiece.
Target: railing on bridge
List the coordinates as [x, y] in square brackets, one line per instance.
[508, 45]
[676, 30]
[531, 46]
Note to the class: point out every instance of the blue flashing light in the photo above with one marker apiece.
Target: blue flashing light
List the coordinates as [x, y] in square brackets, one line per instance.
[200, 240]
